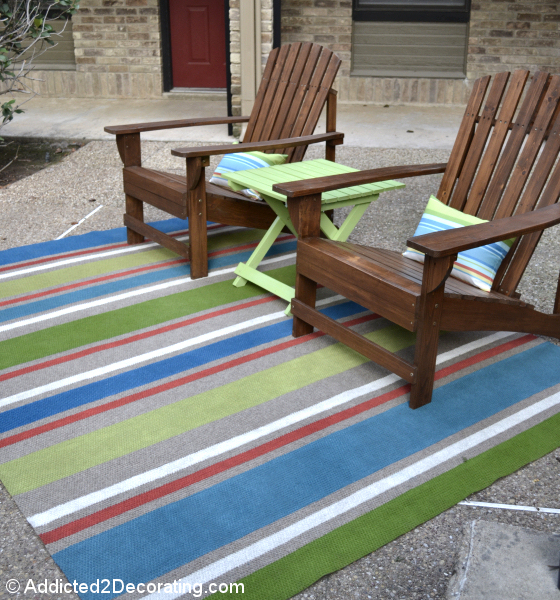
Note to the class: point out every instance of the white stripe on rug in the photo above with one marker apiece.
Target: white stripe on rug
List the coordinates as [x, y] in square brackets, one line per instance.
[260, 548]
[101, 255]
[147, 356]
[139, 292]
[72, 506]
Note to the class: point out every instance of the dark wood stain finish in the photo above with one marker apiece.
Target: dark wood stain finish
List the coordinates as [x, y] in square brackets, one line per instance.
[296, 84]
[504, 167]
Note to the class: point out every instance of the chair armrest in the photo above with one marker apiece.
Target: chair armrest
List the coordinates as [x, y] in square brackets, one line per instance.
[251, 146]
[444, 243]
[305, 187]
[141, 127]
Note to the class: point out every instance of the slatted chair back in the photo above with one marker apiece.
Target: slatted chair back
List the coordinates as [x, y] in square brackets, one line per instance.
[293, 91]
[505, 158]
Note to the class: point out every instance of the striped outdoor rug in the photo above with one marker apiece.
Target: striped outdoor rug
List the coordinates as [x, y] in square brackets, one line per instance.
[162, 434]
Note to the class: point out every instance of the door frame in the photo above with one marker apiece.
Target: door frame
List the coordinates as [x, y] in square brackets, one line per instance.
[166, 48]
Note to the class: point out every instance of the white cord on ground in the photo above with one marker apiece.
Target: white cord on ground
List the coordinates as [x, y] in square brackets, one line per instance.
[79, 222]
[512, 507]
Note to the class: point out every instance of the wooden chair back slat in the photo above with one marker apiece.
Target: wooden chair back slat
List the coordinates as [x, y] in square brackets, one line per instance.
[553, 123]
[460, 148]
[478, 143]
[519, 260]
[282, 108]
[309, 118]
[268, 97]
[312, 90]
[513, 145]
[300, 92]
[547, 152]
[279, 94]
[502, 125]
[526, 160]
[292, 95]
[269, 68]
[502, 164]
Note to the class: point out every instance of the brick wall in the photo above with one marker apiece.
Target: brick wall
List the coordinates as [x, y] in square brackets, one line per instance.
[235, 49]
[117, 47]
[504, 35]
[513, 35]
[325, 22]
[235, 57]
[118, 52]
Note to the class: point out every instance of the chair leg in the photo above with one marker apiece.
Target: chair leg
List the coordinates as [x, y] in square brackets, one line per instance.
[198, 237]
[305, 214]
[425, 362]
[306, 291]
[134, 208]
[433, 288]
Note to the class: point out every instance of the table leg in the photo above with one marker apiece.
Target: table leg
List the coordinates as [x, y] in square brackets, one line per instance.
[350, 222]
[328, 227]
[259, 252]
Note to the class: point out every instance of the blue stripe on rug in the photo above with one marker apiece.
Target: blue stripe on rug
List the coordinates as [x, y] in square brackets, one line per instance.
[81, 242]
[123, 382]
[127, 283]
[175, 534]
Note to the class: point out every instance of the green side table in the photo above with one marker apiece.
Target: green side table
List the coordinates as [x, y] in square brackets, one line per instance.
[263, 179]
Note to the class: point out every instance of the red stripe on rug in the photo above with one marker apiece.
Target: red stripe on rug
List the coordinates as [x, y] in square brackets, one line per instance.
[48, 259]
[18, 437]
[91, 251]
[134, 338]
[123, 274]
[477, 358]
[126, 505]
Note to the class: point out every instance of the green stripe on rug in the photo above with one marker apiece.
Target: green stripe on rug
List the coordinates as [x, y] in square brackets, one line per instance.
[112, 264]
[89, 330]
[348, 543]
[78, 454]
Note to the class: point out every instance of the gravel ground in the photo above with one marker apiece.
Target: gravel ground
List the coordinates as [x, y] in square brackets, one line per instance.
[417, 565]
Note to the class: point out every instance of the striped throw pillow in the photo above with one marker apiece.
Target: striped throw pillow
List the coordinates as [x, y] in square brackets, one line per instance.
[477, 266]
[240, 161]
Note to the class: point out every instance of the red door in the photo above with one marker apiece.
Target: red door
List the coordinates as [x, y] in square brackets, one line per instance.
[198, 43]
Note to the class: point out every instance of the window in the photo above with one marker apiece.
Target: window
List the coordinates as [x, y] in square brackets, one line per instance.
[61, 55]
[416, 11]
[414, 38]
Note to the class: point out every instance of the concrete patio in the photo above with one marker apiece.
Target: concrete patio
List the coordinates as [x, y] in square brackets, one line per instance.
[428, 562]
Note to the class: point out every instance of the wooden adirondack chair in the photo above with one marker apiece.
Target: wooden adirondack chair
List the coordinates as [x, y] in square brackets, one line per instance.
[296, 83]
[503, 168]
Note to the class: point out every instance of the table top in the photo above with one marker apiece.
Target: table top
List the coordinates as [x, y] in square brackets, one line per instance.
[264, 178]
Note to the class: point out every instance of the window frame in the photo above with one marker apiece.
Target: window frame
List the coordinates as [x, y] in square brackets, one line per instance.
[416, 14]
